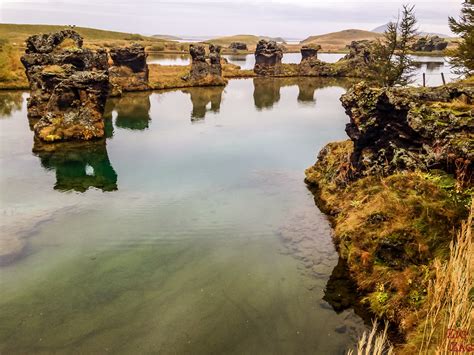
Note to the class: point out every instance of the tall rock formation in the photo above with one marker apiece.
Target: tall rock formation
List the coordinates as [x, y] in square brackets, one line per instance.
[69, 87]
[268, 56]
[129, 71]
[205, 71]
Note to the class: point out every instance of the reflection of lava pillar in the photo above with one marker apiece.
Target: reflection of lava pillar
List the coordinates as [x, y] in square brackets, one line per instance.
[306, 91]
[133, 110]
[78, 165]
[266, 92]
[201, 97]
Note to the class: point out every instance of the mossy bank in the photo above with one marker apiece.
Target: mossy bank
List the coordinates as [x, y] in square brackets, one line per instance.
[397, 191]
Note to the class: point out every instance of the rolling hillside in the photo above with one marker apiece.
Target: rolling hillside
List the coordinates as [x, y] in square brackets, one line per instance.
[339, 40]
[250, 40]
[18, 33]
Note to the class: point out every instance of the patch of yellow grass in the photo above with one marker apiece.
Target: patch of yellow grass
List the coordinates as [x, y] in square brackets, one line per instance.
[450, 306]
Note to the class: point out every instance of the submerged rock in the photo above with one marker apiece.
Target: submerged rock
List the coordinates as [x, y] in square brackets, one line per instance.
[411, 129]
[268, 56]
[129, 71]
[430, 44]
[69, 87]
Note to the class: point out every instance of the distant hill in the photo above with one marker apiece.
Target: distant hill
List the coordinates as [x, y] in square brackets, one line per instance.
[18, 33]
[167, 37]
[383, 28]
[250, 40]
[339, 40]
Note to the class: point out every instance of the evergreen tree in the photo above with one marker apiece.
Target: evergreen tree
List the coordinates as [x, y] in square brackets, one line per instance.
[390, 61]
[462, 58]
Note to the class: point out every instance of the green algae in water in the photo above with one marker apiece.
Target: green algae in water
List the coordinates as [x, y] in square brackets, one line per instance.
[165, 238]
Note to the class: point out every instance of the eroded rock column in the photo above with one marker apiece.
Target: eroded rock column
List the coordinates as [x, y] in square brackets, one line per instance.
[129, 71]
[69, 87]
[204, 71]
[268, 56]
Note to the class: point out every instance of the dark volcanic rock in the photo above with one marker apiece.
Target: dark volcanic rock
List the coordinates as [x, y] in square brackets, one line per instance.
[408, 129]
[47, 42]
[68, 88]
[130, 70]
[310, 51]
[238, 46]
[310, 64]
[215, 59]
[354, 64]
[430, 44]
[268, 56]
[359, 51]
[205, 72]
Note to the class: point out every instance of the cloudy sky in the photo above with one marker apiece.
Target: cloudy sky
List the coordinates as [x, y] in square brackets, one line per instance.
[288, 18]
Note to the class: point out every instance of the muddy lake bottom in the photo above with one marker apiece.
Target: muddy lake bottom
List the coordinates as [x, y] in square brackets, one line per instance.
[189, 230]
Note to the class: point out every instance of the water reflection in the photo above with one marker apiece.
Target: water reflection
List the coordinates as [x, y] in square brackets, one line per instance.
[132, 110]
[10, 101]
[204, 100]
[267, 90]
[78, 165]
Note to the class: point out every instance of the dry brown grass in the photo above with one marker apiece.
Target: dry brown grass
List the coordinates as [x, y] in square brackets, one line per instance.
[449, 303]
[374, 343]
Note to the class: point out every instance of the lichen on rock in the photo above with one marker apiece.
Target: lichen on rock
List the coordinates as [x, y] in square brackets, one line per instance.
[411, 129]
[69, 87]
[129, 71]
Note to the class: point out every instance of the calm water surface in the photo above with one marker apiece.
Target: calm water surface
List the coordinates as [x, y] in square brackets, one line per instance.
[431, 66]
[189, 230]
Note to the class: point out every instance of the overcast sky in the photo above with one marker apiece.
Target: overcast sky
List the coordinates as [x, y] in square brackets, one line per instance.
[296, 19]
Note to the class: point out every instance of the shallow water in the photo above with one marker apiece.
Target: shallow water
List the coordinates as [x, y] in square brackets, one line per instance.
[189, 230]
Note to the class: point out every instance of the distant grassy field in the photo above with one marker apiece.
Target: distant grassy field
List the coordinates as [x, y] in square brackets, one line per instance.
[337, 41]
[18, 33]
[250, 40]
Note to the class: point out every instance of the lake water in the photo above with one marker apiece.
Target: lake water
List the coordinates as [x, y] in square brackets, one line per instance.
[431, 66]
[188, 230]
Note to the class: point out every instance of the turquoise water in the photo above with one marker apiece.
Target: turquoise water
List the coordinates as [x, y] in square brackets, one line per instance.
[188, 230]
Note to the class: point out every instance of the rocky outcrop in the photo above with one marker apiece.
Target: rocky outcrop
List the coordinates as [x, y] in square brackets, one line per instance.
[129, 71]
[310, 52]
[47, 42]
[268, 56]
[411, 129]
[69, 87]
[204, 71]
[310, 64]
[430, 44]
[238, 46]
[354, 64]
